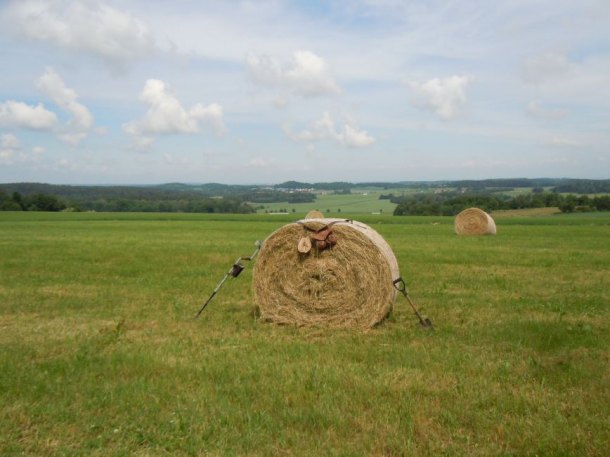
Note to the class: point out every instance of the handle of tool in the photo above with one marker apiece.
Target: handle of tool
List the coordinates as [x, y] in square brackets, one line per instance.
[400, 285]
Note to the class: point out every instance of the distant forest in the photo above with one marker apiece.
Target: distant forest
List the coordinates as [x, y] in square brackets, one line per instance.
[449, 196]
[47, 197]
[561, 185]
[451, 203]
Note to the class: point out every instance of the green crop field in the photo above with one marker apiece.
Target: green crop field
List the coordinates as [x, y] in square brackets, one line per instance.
[100, 354]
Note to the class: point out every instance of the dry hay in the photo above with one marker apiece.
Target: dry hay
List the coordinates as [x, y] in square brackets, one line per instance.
[346, 285]
[474, 221]
[314, 214]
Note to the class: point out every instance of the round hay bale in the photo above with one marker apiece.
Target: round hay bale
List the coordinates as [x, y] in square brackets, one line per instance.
[314, 214]
[474, 221]
[349, 284]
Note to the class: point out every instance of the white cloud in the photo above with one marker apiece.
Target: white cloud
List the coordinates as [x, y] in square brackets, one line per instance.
[166, 115]
[354, 138]
[324, 129]
[6, 156]
[536, 109]
[9, 141]
[12, 152]
[9, 146]
[443, 96]
[142, 142]
[52, 86]
[18, 114]
[306, 74]
[91, 26]
[546, 67]
[21, 115]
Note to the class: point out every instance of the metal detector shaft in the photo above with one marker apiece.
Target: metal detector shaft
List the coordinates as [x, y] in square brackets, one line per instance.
[216, 289]
[399, 284]
[234, 271]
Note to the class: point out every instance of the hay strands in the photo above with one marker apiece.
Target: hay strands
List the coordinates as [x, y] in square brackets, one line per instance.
[347, 284]
[399, 285]
[233, 272]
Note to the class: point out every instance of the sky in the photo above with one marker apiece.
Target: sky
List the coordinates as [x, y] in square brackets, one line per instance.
[260, 92]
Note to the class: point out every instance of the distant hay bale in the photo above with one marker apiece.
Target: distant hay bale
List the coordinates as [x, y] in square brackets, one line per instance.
[346, 285]
[314, 214]
[474, 221]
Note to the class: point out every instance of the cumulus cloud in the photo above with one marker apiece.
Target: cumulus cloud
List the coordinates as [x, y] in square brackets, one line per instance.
[77, 128]
[21, 115]
[92, 27]
[536, 109]
[443, 96]
[546, 67]
[11, 151]
[354, 138]
[9, 145]
[6, 156]
[53, 87]
[167, 115]
[306, 74]
[325, 129]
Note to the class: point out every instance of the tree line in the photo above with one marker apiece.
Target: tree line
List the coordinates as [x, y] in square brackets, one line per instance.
[451, 203]
[187, 204]
[561, 185]
[34, 202]
[174, 197]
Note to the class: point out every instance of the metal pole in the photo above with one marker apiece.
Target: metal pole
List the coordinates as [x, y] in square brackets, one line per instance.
[234, 271]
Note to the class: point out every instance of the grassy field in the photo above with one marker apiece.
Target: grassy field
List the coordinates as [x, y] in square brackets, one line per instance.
[100, 355]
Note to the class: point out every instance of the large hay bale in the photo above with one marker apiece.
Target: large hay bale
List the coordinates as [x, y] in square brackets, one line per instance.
[346, 285]
[474, 221]
[314, 214]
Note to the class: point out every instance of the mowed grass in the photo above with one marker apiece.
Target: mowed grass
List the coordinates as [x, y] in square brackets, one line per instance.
[100, 354]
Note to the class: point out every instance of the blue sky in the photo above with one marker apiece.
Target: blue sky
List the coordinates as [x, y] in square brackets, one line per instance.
[144, 92]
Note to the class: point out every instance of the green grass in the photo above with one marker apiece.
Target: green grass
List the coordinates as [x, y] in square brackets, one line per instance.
[99, 354]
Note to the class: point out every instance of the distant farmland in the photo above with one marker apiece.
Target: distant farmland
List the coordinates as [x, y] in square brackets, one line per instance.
[359, 202]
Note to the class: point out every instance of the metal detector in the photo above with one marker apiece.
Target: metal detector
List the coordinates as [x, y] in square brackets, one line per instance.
[234, 272]
[399, 285]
